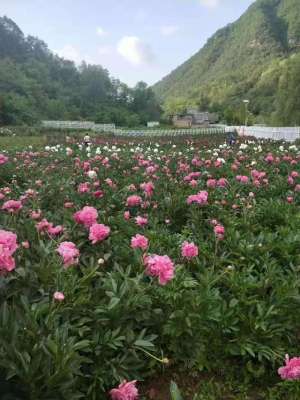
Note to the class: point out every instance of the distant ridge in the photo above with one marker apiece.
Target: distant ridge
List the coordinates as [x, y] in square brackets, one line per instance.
[256, 57]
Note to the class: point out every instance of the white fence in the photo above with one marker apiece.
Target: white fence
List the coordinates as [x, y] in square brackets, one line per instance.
[168, 132]
[282, 133]
[111, 128]
[104, 127]
[85, 125]
[287, 134]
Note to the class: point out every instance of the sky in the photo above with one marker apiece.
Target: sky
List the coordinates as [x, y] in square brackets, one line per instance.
[134, 39]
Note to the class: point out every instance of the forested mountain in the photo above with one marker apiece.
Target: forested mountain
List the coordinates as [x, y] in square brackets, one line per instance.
[35, 84]
[255, 58]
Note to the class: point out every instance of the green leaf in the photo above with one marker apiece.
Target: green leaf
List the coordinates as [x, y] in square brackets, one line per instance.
[233, 303]
[113, 302]
[83, 344]
[175, 392]
[143, 343]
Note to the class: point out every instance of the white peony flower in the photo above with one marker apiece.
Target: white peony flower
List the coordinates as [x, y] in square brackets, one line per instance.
[92, 174]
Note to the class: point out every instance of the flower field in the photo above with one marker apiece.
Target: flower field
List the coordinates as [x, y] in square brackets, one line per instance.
[127, 262]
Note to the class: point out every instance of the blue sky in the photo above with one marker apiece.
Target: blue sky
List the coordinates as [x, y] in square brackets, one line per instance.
[134, 39]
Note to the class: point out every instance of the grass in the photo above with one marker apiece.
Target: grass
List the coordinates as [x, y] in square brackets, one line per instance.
[201, 386]
[19, 142]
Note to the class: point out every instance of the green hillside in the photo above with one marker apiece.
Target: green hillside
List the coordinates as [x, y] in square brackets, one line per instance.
[36, 84]
[257, 57]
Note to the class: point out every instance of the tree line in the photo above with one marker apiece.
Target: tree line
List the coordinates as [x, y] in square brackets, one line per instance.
[36, 84]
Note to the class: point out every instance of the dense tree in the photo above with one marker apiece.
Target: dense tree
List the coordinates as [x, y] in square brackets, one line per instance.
[144, 103]
[253, 59]
[288, 99]
[35, 84]
[176, 105]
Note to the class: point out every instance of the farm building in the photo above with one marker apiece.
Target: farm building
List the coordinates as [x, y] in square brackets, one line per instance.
[185, 121]
[153, 124]
[194, 118]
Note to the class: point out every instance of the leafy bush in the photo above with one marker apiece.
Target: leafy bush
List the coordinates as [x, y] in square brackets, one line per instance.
[235, 304]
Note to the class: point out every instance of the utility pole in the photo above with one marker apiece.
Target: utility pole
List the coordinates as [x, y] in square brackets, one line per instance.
[246, 102]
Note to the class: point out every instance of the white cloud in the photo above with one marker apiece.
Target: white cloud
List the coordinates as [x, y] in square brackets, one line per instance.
[100, 31]
[210, 3]
[169, 30]
[105, 50]
[134, 50]
[69, 52]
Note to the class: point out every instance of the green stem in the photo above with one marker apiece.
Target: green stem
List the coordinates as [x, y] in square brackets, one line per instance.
[163, 360]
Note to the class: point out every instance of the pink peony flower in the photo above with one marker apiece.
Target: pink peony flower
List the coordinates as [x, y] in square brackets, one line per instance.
[8, 245]
[98, 233]
[43, 225]
[199, 198]
[189, 250]
[218, 163]
[161, 267]
[126, 215]
[141, 221]
[12, 206]
[98, 194]
[125, 391]
[145, 204]
[196, 162]
[6, 190]
[86, 166]
[133, 201]
[211, 183]
[69, 252]
[294, 174]
[219, 231]
[55, 230]
[110, 183]
[150, 170]
[87, 216]
[269, 158]
[3, 159]
[36, 214]
[222, 182]
[58, 296]
[139, 242]
[242, 179]
[257, 175]
[83, 187]
[291, 370]
[148, 188]
[297, 188]
[195, 175]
